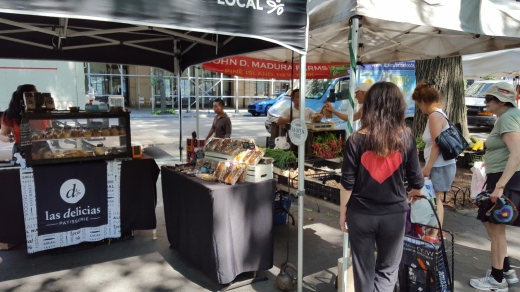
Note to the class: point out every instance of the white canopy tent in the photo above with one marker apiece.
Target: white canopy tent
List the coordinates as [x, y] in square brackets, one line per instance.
[499, 64]
[400, 30]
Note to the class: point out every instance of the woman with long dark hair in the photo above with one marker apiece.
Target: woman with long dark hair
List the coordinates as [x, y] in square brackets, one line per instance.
[373, 197]
[10, 130]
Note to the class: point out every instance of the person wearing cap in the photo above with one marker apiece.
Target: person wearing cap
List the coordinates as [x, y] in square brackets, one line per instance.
[360, 92]
[503, 179]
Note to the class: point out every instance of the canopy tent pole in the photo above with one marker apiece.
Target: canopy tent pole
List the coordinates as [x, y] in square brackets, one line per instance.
[177, 77]
[353, 49]
[196, 68]
[301, 172]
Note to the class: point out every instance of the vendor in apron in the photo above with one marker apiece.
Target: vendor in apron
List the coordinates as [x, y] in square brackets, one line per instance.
[11, 119]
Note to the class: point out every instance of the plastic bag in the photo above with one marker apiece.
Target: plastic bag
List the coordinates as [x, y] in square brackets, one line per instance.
[281, 143]
[255, 158]
[421, 211]
[478, 179]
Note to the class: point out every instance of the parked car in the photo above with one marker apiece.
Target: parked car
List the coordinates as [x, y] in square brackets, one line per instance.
[476, 108]
[262, 106]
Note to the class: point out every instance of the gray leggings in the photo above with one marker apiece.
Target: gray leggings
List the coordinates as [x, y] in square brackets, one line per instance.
[368, 232]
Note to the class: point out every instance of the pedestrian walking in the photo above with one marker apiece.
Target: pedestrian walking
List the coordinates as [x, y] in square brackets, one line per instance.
[503, 179]
[373, 198]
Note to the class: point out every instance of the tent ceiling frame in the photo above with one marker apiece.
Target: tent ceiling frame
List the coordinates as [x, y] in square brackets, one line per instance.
[392, 45]
[192, 45]
[29, 27]
[437, 33]
[396, 43]
[64, 31]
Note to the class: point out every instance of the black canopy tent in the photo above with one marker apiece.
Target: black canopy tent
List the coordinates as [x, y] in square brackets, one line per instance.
[171, 35]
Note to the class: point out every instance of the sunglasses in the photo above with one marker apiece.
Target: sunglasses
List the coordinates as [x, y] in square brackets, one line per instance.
[489, 98]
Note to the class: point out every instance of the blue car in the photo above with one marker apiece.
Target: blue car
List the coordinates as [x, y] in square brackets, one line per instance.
[262, 106]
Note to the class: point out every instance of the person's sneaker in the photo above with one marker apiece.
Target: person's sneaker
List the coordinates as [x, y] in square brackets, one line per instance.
[489, 283]
[511, 277]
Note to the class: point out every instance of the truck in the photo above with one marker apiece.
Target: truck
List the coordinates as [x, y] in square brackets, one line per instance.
[318, 91]
[64, 80]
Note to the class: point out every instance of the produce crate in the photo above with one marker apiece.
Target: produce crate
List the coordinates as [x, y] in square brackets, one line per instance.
[310, 138]
[259, 172]
[320, 162]
[326, 126]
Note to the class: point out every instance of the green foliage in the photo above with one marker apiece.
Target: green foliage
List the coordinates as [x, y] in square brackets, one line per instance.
[420, 143]
[156, 112]
[489, 78]
[282, 159]
[171, 111]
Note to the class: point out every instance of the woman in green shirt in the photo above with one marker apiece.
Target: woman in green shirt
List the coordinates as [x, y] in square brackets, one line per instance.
[503, 179]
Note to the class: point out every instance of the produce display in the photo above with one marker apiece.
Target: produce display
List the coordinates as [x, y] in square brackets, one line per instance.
[327, 145]
[476, 144]
[282, 158]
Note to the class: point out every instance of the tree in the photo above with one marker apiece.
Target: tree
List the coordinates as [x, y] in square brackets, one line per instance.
[446, 74]
[162, 88]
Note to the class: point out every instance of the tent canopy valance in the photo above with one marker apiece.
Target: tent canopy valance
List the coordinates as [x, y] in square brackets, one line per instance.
[402, 30]
[142, 32]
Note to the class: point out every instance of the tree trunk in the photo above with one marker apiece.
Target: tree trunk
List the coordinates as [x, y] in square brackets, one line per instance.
[162, 88]
[447, 75]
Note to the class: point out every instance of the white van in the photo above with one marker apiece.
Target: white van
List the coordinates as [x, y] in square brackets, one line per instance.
[477, 114]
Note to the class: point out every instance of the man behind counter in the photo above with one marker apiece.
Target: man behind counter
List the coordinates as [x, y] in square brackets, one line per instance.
[360, 91]
[285, 115]
[222, 123]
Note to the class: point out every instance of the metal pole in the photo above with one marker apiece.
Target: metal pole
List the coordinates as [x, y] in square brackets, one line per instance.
[138, 88]
[353, 49]
[301, 173]
[197, 99]
[221, 85]
[189, 95]
[88, 74]
[121, 84]
[236, 94]
[271, 90]
[152, 97]
[178, 79]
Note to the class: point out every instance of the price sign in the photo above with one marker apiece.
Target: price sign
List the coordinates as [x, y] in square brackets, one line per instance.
[247, 145]
[25, 134]
[298, 132]
[199, 154]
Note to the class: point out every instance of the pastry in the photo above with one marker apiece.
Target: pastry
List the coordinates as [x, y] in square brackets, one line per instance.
[105, 132]
[122, 131]
[96, 133]
[87, 133]
[114, 131]
[48, 155]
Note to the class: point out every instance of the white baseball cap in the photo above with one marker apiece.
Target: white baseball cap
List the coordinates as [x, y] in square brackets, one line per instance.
[363, 87]
[503, 91]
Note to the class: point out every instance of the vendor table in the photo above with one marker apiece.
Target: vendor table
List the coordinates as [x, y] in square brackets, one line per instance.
[222, 230]
[138, 199]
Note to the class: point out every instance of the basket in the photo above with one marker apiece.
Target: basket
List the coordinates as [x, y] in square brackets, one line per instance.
[280, 216]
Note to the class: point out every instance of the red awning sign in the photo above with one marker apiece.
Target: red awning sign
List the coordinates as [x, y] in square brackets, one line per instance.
[258, 68]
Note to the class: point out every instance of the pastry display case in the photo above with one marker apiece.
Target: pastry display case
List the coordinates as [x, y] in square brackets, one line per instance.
[60, 137]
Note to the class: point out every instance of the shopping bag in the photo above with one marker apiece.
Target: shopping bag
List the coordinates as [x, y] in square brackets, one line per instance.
[478, 179]
[281, 143]
[421, 211]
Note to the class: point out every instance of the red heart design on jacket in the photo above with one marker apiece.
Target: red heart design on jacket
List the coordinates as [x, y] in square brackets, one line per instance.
[381, 168]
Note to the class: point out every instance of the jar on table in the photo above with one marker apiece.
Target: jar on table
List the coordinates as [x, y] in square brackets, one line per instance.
[114, 131]
[67, 132]
[99, 150]
[87, 133]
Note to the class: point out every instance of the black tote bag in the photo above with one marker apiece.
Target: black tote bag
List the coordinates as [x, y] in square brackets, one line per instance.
[451, 142]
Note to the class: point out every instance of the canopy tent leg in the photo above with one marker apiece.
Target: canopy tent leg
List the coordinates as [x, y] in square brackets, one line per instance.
[177, 77]
[353, 49]
[301, 173]
[196, 68]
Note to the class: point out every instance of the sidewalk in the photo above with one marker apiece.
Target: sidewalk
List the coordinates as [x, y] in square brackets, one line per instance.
[146, 113]
[143, 264]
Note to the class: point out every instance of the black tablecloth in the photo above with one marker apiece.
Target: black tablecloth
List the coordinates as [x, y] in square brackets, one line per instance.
[222, 230]
[138, 199]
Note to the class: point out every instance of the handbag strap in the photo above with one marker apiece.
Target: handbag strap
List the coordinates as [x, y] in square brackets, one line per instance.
[445, 116]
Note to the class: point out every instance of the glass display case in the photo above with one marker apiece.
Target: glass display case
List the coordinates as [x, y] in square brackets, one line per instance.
[60, 137]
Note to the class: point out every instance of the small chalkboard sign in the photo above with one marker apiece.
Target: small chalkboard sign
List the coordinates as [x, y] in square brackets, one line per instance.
[247, 145]
[25, 134]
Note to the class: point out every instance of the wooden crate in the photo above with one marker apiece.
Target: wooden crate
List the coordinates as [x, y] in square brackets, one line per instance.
[326, 126]
[259, 172]
[6, 246]
[310, 138]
